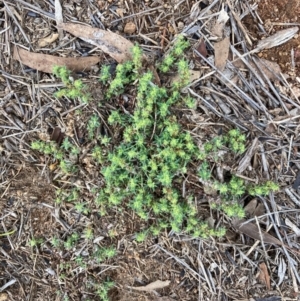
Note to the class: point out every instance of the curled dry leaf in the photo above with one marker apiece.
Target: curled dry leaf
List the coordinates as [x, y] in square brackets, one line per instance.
[290, 224]
[264, 276]
[151, 286]
[277, 39]
[246, 161]
[130, 28]
[201, 48]
[48, 40]
[194, 75]
[3, 296]
[45, 62]
[220, 23]
[221, 53]
[111, 43]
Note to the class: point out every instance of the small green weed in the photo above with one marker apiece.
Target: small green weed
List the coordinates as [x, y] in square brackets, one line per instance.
[74, 89]
[143, 172]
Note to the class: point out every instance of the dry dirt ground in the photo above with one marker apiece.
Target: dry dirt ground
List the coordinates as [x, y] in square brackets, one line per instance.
[236, 267]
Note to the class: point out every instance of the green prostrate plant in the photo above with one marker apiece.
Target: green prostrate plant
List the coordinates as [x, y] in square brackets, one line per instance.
[236, 141]
[103, 289]
[93, 124]
[230, 191]
[155, 152]
[74, 89]
[61, 154]
[105, 74]
[176, 52]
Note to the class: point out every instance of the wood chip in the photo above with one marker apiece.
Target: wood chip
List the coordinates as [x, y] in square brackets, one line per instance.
[130, 28]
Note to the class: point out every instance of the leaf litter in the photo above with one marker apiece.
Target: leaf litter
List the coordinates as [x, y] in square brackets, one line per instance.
[250, 99]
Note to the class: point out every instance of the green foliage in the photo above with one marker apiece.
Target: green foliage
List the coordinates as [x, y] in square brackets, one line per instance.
[144, 171]
[71, 241]
[74, 89]
[103, 289]
[61, 154]
[230, 191]
[104, 253]
[105, 74]
[176, 52]
[93, 124]
[236, 141]
[35, 242]
[153, 154]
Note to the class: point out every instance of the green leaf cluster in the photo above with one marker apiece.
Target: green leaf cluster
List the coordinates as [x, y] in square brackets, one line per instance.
[231, 191]
[140, 172]
[180, 45]
[61, 154]
[74, 89]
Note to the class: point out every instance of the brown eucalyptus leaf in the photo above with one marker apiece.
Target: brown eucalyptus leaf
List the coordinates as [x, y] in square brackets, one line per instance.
[221, 53]
[264, 276]
[111, 43]
[254, 232]
[152, 286]
[46, 62]
[48, 40]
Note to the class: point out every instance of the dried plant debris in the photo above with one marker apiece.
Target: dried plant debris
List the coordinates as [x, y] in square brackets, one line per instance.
[46, 62]
[241, 73]
[113, 44]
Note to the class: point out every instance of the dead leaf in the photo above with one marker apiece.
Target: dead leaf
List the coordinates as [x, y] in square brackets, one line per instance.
[218, 28]
[194, 75]
[221, 53]
[164, 299]
[120, 12]
[254, 232]
[151, 286]
[246, 161]
[195, 11]
[270, 69]
[45, 62]
[48, 40]
[111, 43]
[270, 128]
[58, 12]
[264, 276]
[250, 207]
[280, 37]
[281, 270]
[3, 296]
[130, 28]
[290, 224]
[201, 48]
